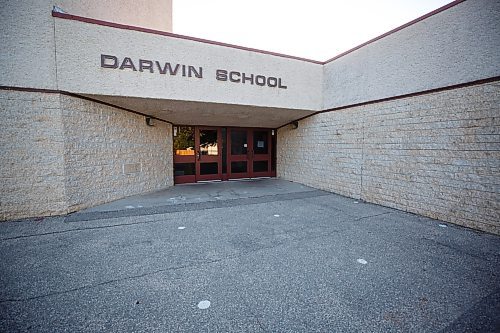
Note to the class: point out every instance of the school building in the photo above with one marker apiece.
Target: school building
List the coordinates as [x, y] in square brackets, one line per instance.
[100, 100]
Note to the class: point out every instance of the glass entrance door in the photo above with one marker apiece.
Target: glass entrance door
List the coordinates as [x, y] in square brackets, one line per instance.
[197, 154]
[239, 153]
[208, 142]
[261, 153]
[249, 153]
[216, 153]
[184, 155]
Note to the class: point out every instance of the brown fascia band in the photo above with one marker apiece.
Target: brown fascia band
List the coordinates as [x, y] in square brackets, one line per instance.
[67, 93]
[386, 99]
[423, 92]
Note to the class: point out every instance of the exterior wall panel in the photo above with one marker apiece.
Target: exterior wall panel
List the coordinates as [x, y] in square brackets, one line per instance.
[458, 45]
[27, 51]
[151, 14]
[61, 153]
[437, 155]
[32, 173]
[111, 154]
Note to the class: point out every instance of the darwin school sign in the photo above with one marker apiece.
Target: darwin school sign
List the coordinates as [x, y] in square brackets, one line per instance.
[166, 68]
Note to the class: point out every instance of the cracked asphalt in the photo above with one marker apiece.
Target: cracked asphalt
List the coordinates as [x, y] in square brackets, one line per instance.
[269, 256]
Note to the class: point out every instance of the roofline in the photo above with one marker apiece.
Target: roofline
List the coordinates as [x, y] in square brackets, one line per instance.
[170, 34]
[207, 41]
[418, 19]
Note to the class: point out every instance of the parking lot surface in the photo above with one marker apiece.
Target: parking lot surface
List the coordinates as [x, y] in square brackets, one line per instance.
[255, 256]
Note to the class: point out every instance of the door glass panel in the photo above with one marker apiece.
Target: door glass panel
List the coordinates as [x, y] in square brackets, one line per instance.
[224, 150]
[260, 144]
[238, 167]
[260, 166]
[184, 141]
[184, 169]
[209, 168]
[239, 144]
[208, 142]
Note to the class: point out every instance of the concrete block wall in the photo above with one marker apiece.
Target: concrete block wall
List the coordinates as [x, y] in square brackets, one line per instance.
[323, 152]
[436, 154]
[60, 153]
[111, 153]
[32, 174]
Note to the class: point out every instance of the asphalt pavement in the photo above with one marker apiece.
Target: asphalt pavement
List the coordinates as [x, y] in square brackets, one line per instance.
[256, 256]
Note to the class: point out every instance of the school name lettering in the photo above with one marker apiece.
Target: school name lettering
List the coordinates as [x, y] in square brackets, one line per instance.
[167, 68]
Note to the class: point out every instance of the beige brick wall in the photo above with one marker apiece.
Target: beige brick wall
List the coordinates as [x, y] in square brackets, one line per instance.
[437, 155]
[111, 154]
[31, 155]
[60, 154]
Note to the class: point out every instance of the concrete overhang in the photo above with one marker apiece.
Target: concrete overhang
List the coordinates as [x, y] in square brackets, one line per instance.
[181, 79]
[204, 113]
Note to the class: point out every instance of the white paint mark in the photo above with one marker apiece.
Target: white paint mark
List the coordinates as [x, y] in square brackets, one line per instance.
[139, 206]
[129, 207]
[362, 261]
[204, 305]
[276, 215]
[181, 228]
[356, 202]
[443, 225]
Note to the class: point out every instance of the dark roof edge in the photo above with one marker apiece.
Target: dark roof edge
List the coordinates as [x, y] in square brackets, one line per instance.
[67, 93]
[386, 99]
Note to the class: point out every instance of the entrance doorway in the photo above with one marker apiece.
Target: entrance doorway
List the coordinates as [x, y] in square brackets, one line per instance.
[221, 153]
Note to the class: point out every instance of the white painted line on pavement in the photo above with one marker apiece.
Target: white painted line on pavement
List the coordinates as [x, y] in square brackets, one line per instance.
[362, 261]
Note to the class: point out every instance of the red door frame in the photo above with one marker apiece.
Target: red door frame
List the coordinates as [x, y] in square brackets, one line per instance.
[262, 157]
[208, 158]
[250, 156]
[238, 158]
[191, 159]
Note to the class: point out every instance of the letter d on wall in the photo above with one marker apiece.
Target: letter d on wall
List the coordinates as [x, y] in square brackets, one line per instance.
[109, 61]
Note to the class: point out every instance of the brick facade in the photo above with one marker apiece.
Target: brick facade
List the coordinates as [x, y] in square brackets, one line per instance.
[32, 174]
[61, 153]
[437, 155]
[111, 153]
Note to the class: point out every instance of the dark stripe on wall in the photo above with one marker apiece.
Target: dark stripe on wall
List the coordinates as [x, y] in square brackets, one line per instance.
[47, 91]
[424, 92]
[51, 91]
